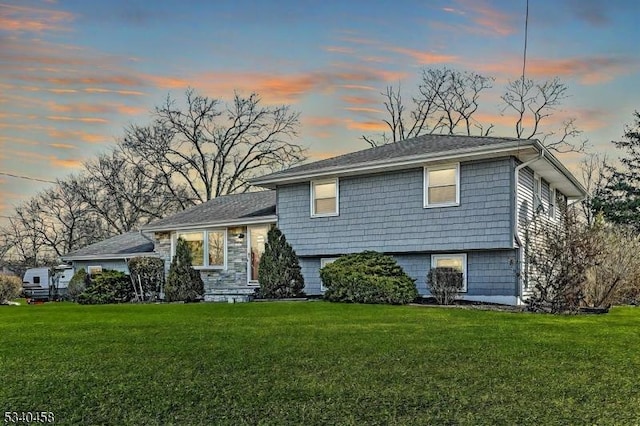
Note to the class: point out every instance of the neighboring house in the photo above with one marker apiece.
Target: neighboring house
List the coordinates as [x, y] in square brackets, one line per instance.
[112, 253]
[226, 236]
[434, 200]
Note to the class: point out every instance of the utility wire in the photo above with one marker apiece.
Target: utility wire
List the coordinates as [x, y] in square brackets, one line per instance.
[526, 32]
[26, 177]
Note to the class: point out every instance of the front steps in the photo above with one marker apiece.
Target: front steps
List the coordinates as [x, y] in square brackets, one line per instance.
[229, 294]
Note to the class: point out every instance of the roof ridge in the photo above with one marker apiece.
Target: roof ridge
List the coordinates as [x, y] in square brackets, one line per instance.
[417, 146]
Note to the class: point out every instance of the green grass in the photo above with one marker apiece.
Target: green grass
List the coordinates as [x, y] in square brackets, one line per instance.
[318, 363]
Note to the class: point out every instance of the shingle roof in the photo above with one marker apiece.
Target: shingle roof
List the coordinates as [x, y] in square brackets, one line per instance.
[118, 246]
[418, 146]
[227, 208]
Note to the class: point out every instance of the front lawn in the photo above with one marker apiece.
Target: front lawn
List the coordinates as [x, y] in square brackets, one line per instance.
[318, 363]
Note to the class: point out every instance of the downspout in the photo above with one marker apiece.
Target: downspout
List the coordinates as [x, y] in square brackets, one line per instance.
[515, 204]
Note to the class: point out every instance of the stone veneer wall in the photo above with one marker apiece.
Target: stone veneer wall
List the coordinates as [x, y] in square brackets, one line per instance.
[219, 285]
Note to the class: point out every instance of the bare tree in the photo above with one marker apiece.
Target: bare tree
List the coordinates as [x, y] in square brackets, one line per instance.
[24, 234]
[593, 170]
[50, 224]
[446, 103]
[536, 102]
[213, 148]
[615, 272]
[121, 193]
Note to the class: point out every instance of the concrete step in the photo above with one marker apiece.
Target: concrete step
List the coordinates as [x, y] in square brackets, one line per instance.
[229, 294]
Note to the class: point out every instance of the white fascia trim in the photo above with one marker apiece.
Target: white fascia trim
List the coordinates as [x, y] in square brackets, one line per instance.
[458, 155]
[207, 225]
[561, 168]
[110, 256]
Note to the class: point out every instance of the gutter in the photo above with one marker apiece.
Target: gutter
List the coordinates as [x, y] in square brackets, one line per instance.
[227, 223]
[108, 256]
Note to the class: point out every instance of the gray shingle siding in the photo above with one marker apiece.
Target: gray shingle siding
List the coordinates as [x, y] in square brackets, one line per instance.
[385, 212]
[489, 273]
[492, 273]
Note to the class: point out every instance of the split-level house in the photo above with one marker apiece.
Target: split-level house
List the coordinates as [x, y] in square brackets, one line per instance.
[435, 200]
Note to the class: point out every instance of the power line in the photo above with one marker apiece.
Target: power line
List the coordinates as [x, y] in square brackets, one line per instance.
[526, 32]
[26, 177]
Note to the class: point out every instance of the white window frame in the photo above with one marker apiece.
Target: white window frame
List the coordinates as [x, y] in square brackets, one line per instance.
[537, 194]
[94, 269]
[312, 198]
[553, 202]
[463, 256]
[324, 261]
[205, 234]
[425, 192]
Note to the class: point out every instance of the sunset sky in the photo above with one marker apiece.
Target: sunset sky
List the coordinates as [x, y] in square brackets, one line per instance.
[74, 73]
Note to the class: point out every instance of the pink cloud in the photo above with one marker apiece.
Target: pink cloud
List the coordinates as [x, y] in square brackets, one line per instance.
[366, 126]
[589, 70]
[339, 49]
[66, 163]
[425, 58]
[105, 108]
[363, 109]
[31, 19]
[62, 146]
[289, 88]
[489, 19]
[79, 119]
[119, 92]
[321, 121]
[66, 135]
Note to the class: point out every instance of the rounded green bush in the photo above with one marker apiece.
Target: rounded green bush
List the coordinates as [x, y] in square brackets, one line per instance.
[367, 277]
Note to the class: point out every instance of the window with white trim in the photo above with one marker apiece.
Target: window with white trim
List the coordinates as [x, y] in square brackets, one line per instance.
[324, 198]
[208, 248]
[553, 203]
[537, 193]
[455, 261]
[442, 185]
[324, 262]
[94, 270]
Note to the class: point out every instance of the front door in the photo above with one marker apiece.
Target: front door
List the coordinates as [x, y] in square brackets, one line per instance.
[257, 237]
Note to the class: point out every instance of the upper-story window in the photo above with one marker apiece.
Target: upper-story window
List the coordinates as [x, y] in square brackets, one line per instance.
[553, 203]
[324, 198]
[442, 185]
[207, 247]
[537, 193]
